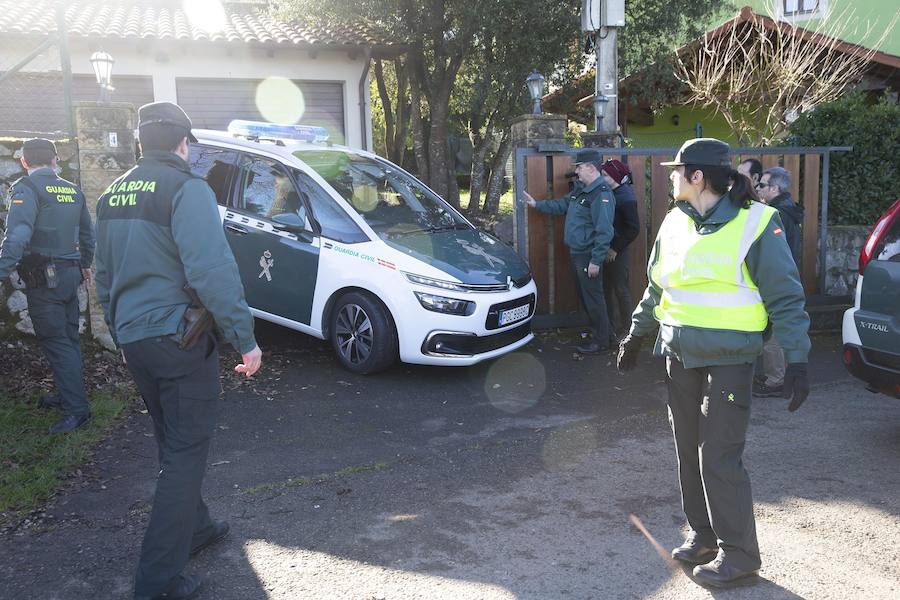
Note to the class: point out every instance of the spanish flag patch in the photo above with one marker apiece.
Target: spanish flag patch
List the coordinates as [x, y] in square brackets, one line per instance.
[18, 201]
[777, 231]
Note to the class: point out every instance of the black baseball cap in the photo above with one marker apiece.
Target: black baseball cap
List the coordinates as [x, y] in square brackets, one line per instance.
[38, 151]
[588, 156]
[39, 144]
[165, 113]
[702, 151]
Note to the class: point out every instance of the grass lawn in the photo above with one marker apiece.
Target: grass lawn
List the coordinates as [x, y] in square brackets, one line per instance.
[33, 462]
[506, 202]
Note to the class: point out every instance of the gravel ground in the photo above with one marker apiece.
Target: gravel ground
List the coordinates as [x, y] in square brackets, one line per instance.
[514, 479]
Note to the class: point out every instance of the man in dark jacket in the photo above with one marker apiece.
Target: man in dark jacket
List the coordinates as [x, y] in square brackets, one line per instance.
[774, 189]
[158, 231]
[588, 230]
[626, 226]
[50, 242]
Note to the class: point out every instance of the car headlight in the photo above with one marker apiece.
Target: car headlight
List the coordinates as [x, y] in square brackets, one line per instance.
[437, 283]
[442, 304]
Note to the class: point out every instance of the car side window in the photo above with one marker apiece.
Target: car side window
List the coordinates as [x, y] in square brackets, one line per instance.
[267, 190]
[218, 167]
[335, 223]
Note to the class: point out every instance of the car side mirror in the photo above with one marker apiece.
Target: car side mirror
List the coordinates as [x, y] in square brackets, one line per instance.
[292, 223]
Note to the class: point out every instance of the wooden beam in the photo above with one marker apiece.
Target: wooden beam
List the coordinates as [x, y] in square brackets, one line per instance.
[810, 223]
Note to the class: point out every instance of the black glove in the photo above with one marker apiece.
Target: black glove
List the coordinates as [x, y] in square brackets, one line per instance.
[796, 385]
[628, 352]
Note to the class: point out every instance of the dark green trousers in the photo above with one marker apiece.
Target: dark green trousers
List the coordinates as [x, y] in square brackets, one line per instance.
[592, 297]
[54, 314]
[709, 410]
[181, 390]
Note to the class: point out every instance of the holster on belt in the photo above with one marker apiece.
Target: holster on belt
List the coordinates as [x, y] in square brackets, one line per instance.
[195, 323]
[32, 270]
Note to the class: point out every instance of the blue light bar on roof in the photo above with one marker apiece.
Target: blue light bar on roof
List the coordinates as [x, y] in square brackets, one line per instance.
[261, 129]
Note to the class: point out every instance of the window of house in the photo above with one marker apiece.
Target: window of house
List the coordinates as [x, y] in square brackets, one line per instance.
[794, 8]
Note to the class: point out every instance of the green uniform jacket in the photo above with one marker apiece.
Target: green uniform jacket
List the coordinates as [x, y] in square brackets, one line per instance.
[589, 214]
[49, 216]
[158, 228]
[771, 268]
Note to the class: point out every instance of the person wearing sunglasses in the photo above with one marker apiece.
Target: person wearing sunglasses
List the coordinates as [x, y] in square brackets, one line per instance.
[774, 189]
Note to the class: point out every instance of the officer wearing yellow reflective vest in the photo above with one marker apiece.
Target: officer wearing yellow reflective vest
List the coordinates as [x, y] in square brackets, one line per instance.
[719, 274]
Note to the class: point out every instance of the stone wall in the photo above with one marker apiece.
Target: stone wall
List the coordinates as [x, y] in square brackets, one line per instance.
[105, 150]
[844, 245]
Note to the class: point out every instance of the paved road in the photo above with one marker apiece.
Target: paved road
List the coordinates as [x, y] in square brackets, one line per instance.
[513, 479]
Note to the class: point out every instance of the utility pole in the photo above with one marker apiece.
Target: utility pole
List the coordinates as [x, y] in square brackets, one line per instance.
[601, 19]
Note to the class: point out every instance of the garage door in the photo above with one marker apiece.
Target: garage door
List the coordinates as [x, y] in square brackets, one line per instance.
[213, 103]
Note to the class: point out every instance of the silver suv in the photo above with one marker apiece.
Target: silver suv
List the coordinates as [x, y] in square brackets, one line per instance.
[871, 329]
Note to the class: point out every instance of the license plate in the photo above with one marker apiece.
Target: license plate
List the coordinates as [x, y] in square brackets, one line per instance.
[513, 314]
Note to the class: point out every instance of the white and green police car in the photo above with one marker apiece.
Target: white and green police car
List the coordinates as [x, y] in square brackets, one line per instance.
[343, 245]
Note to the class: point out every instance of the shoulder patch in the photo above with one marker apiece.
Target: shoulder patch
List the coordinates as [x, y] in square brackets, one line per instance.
[17, 201]
[777, 231]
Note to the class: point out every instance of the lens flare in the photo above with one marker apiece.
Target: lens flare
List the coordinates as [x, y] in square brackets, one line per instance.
[515, 382]
[279, 100]
[206, 15]
[568, 446]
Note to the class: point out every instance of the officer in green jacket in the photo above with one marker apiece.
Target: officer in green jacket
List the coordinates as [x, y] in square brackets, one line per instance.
[50, 242]
[720, 272]
[158, 231]
[589, 210]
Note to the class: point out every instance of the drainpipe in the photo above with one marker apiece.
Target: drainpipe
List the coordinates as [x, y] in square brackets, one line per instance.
[367, 57]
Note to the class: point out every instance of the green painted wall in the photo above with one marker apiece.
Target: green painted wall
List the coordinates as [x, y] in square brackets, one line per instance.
[665, 133]
[878, 12]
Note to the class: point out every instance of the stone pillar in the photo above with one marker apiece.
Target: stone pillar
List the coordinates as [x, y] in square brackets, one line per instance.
[600, 139]
[106, 148]
[544, 133]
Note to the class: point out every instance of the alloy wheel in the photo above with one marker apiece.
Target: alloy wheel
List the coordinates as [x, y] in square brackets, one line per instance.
[354, 334]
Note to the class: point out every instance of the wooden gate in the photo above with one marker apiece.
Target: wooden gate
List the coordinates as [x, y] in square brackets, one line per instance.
[539, 237]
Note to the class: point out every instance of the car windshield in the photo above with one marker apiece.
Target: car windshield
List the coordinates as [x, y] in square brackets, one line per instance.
[391, 202]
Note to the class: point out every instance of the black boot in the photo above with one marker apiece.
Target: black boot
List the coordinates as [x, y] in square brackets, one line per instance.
[70, 423]
[720, 574]
[695, 551]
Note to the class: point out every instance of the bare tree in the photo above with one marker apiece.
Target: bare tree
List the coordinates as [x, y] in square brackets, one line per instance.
[760, 74]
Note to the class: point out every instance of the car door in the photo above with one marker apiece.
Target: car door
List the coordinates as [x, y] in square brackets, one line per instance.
[279, 268]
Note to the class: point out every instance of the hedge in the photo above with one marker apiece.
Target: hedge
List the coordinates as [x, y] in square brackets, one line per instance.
[865, 182]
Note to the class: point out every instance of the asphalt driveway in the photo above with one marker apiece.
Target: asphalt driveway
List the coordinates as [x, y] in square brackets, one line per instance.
[512, 479]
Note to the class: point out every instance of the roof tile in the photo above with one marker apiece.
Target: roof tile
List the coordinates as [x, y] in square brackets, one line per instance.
[166, 20]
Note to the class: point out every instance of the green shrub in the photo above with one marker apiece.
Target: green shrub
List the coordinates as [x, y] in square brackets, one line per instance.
[865, 182]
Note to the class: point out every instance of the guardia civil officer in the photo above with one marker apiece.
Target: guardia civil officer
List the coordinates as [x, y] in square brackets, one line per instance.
[158, 229]
[719, 272]
[50, 242]
[589, 210]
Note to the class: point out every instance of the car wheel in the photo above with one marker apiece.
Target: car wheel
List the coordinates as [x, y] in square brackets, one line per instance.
[363, 334]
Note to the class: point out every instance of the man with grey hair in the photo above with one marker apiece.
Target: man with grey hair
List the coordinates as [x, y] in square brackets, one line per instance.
[774, 189]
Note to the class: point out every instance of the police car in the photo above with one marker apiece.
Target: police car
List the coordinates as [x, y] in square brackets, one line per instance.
[343, 245]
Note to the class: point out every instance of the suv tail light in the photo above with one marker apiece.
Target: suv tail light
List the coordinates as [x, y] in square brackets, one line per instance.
[875, 237]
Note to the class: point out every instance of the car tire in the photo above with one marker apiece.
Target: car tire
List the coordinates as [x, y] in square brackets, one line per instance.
[363, 334]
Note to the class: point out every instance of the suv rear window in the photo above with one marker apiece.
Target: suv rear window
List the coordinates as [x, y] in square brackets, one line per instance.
[889, 245]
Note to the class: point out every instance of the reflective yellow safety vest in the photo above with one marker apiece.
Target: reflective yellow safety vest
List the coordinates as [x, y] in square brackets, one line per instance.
[704, 280]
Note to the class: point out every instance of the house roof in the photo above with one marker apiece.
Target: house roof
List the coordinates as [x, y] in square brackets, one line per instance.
[574, 92]
[246, 22]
